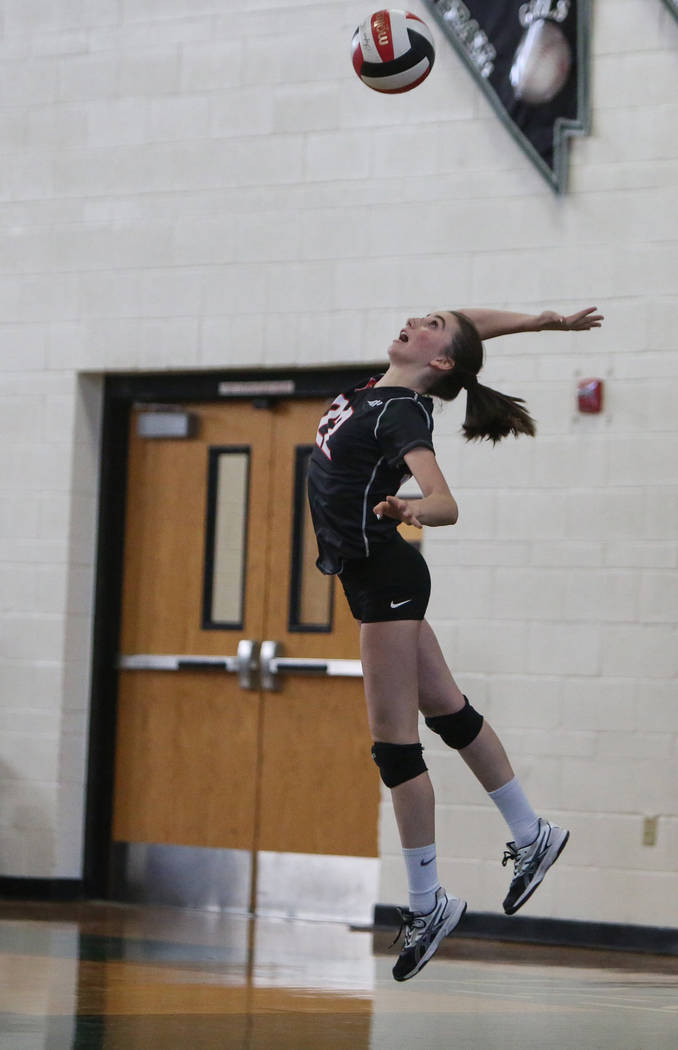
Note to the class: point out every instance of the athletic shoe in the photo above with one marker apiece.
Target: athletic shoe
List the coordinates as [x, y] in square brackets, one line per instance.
[531, 863]
[423, 933]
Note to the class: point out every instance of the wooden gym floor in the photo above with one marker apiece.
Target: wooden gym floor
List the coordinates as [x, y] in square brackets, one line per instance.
[107, 977]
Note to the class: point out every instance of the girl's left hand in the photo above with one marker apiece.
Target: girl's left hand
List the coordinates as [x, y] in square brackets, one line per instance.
[399, 509]
[582, 321]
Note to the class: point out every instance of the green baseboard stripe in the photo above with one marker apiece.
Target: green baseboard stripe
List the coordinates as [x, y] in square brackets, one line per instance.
[570, 933]
[18, 889]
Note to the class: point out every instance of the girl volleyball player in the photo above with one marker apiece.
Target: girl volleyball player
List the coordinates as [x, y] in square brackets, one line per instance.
[370, 440]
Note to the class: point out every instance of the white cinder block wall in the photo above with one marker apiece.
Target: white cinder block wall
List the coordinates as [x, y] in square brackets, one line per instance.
[190, 183]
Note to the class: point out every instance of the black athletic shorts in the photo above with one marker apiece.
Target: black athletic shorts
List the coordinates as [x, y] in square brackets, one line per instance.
[392, 584]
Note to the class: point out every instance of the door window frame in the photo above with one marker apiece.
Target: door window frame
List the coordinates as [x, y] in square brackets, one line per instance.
[121, 394]
[295, 622]
[209, 620]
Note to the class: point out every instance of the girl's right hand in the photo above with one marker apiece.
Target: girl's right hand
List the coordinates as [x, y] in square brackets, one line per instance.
[582, 321]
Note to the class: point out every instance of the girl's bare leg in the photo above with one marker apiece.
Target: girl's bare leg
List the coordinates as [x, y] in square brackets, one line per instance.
[389, 653]
[439, 694]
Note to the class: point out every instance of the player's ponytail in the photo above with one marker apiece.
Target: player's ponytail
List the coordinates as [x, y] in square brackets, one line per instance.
[489, 414]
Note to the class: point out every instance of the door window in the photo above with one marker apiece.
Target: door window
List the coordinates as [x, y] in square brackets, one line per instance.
[226, 538]
[311, 593]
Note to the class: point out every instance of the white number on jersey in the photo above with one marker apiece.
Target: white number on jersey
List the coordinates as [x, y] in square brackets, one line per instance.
[331, 421]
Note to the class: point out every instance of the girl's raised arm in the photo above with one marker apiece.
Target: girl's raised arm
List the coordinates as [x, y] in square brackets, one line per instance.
[491, 323]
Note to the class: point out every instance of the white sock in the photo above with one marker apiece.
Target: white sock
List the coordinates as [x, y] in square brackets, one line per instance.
[511, 801]
[422, 877]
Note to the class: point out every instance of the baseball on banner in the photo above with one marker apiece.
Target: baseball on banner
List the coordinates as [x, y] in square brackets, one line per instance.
[541, 64]
[393, 51]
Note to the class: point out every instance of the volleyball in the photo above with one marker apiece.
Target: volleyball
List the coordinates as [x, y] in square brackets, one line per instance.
[393, 51]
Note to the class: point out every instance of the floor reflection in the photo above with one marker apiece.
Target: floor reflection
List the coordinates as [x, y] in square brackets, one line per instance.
[112, 977]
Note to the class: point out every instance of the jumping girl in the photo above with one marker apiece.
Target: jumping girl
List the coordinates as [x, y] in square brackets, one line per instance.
[372, 439]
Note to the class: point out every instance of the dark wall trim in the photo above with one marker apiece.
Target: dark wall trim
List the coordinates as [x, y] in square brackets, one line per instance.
[569, 933]
[108, 587]
[51, 890]
[121, 392]
[205, 386]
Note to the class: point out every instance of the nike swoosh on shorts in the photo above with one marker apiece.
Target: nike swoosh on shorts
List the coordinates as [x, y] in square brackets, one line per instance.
[396, 605]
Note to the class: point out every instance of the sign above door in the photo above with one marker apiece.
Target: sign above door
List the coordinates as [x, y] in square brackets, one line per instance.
[531, 60]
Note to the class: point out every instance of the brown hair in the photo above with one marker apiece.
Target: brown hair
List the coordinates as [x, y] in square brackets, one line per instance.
[489, 414]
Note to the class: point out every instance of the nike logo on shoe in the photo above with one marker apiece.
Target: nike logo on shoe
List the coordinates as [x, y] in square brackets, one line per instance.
[396, 605]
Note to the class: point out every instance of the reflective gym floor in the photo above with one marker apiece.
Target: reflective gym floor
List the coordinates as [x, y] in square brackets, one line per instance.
[79, 977]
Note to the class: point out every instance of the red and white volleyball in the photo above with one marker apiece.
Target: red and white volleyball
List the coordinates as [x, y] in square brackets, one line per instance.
[393, 51]
[542, 63]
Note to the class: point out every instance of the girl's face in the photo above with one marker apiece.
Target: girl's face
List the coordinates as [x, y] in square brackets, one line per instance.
[423, 339]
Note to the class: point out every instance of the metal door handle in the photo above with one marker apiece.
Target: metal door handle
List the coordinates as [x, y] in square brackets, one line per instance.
[256, 667]
[273, 664]
[248, 663]
[245, 664]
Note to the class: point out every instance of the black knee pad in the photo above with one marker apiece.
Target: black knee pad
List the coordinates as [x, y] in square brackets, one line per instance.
[398, 762]
[459, 729]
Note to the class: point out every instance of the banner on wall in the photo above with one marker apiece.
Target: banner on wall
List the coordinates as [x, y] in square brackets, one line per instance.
[531, 58]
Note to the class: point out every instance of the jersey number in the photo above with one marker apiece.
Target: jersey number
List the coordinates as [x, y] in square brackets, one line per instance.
[331, 421]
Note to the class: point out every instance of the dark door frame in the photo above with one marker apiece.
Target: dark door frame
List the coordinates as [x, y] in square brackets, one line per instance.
[120, 393]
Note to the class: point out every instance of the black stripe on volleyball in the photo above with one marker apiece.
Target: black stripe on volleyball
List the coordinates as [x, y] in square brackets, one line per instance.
[419, 48]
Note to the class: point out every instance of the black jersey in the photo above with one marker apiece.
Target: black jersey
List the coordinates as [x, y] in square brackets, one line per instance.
[357, 461]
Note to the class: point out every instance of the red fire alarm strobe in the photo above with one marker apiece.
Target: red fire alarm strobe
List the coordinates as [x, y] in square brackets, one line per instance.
[590, 395]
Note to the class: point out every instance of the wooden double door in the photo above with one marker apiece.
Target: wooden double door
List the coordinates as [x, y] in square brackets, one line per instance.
[215, 749]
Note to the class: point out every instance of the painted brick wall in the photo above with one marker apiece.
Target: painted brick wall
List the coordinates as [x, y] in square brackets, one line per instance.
[189, 183]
